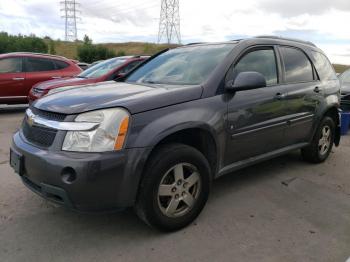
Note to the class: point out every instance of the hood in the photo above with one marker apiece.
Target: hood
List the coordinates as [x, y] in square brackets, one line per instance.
[345, 87]
[134, 97]
[69, 81]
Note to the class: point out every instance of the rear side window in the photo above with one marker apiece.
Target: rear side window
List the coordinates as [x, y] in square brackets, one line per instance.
[262, 61]
[60, 64]
[298, 67]
[323, 66]
[11, 65]
[39, 64]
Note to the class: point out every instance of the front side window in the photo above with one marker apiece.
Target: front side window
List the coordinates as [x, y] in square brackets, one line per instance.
[262, 61]
[297, 66]
[39, 64]
[11, 65]
[190, 65]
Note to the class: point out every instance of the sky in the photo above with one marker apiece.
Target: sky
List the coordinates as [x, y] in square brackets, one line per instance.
[324, 22]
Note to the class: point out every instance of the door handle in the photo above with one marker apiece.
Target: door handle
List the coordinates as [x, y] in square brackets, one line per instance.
[280, 96]
[56, 77]
[18, 78]
[317, 89]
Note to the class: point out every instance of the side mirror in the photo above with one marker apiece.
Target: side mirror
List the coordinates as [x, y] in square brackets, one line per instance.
[246, 81]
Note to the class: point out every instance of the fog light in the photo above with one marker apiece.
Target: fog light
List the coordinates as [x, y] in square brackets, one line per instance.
[68, 175]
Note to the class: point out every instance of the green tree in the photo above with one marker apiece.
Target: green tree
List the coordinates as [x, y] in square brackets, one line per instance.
[52, 49]
[88, 52]
[21, 43]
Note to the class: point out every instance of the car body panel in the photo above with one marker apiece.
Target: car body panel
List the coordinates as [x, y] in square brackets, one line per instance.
[14, 87]
[134, 97]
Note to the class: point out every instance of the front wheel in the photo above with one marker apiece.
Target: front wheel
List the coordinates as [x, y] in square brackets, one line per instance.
[175, 187]
[322, 143]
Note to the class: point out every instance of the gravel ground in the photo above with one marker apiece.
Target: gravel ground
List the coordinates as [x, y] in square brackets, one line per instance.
[280, 210]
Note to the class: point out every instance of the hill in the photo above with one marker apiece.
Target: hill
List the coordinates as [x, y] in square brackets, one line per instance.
[69, 49]
[340, 68]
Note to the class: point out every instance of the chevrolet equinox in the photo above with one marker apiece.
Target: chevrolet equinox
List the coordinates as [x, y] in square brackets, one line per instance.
[155, 139]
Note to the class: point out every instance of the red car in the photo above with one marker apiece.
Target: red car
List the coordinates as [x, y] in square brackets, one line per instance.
[103, 71]
[19, 72]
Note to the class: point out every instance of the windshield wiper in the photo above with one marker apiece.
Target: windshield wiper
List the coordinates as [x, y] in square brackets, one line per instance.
[150, 82]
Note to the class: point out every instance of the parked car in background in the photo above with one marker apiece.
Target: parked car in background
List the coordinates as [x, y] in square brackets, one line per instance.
[107, 70]
[96, 62]
[345, 84]
[156, 138]
[20, 71]
[83, 65]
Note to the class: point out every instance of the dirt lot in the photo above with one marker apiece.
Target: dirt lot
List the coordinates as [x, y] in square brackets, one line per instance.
[281, 210]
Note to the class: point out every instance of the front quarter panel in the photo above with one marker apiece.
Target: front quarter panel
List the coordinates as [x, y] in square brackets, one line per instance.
[149, 128]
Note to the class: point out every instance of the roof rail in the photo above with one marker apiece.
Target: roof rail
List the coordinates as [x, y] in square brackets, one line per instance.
[196, 43]
[287, 39]
[43, 54]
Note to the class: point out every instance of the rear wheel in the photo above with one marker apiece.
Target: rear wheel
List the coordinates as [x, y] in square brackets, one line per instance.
[175, 187]
[322, 143]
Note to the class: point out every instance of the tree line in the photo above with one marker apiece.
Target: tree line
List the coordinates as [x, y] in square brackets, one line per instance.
[86, 51]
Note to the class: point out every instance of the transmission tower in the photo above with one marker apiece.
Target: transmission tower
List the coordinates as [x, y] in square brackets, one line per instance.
[169, 22]
[70, 10]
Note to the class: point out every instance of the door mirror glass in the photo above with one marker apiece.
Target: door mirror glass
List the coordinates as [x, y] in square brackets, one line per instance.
[246, 81]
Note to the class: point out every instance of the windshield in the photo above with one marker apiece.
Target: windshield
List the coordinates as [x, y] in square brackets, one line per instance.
[102, 68]
[345, 77]
[182, 66]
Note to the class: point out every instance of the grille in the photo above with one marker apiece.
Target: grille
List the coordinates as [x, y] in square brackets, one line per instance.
[40, 136]
[48, 115]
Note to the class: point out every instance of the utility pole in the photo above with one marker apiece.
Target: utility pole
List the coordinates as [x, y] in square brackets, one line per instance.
[169, 22]
[70, 10]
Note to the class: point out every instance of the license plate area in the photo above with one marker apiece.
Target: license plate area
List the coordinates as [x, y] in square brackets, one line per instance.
[16, 162]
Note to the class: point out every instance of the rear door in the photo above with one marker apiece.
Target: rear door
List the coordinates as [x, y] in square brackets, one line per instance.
[304, 94]
[39, 70]
[12, 80]
[256, 118]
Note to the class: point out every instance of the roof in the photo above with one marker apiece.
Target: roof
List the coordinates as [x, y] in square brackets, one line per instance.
[286, 39]
[268, 37]
[36, 54]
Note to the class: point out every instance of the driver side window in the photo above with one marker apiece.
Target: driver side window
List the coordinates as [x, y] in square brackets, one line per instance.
[262, 61]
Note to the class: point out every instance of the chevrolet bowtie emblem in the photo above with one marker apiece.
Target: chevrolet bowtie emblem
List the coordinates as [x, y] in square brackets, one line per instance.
[31, 120]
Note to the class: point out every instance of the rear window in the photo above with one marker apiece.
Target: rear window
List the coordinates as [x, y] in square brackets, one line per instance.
[298, 67]
[39, 64]
[11, 65]
[60, 64]
[323, 66]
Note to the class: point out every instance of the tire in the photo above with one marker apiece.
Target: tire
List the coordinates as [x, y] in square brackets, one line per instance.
[164, 201]
[315, 152]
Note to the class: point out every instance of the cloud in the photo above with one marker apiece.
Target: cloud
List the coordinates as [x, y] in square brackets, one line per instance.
[295, 8]
[324, 22]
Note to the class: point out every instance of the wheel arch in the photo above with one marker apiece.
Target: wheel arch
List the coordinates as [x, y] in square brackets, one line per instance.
[333, 112]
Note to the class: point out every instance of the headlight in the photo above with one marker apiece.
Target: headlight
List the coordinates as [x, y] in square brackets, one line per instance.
[108, 136]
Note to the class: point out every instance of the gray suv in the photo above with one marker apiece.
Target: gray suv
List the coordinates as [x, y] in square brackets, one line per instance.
[155, 139]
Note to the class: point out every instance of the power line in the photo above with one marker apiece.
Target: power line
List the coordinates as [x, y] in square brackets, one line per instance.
[169, 22]
[70, 10]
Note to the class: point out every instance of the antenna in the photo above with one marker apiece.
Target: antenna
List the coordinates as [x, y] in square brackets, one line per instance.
[169, 22]
[70, 10]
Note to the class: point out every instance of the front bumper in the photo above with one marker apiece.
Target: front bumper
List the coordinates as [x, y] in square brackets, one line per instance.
[103, 181]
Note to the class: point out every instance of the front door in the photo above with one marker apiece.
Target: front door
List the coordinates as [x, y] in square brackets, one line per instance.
[12, 80]
[256, 118]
